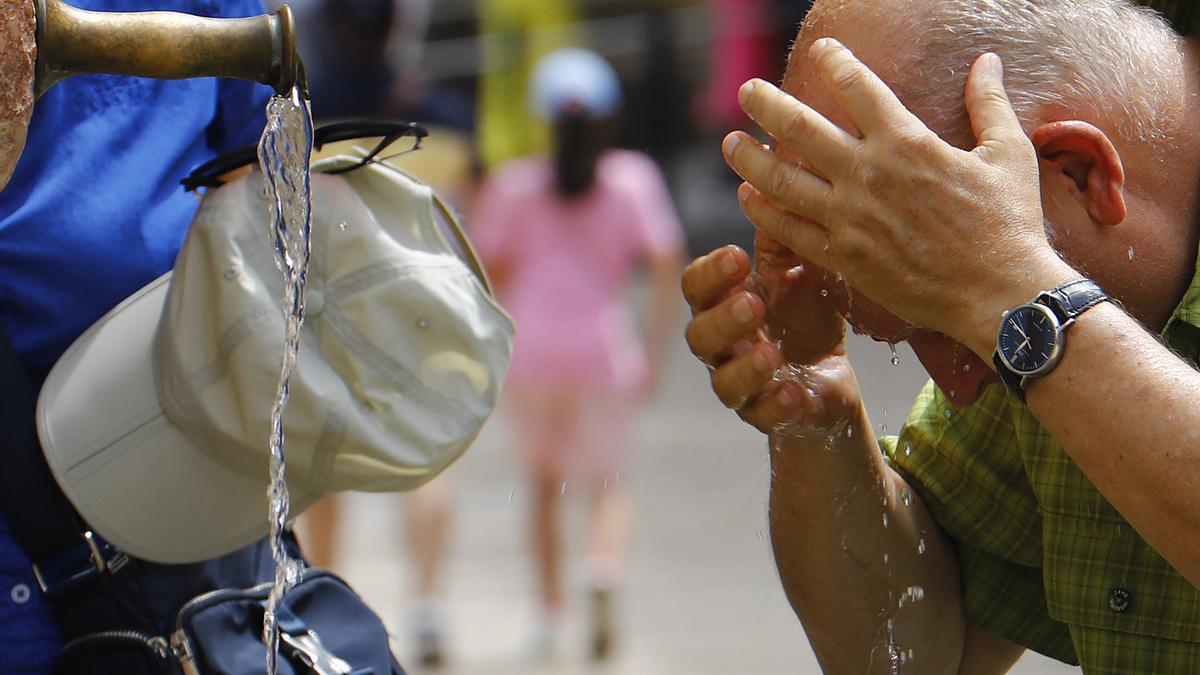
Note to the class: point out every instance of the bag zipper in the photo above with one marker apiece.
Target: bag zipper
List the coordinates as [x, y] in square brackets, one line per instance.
[156, 644]
[181, 645]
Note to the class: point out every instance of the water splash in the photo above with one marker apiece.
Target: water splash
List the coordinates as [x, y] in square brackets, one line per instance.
[911, 594]
[284, 153]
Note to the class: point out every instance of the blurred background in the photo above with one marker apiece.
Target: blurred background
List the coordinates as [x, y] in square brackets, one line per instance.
[451, 568]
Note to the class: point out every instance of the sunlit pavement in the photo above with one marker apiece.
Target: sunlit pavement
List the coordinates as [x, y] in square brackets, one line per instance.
[702, 596]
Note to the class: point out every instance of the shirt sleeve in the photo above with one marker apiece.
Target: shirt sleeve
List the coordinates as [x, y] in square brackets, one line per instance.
[656, 227]
[967, 467]
[493, 222]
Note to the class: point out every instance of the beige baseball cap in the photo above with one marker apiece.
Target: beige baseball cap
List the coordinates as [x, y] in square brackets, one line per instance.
[156, 422]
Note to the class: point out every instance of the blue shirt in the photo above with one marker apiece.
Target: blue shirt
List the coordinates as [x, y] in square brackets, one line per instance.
[93, 212]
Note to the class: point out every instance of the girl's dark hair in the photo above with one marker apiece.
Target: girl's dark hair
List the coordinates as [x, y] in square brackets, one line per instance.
[578, 143]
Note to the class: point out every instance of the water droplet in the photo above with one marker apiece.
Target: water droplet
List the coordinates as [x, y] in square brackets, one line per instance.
[423, 323]
[759, 534]
[906, 497]
[849, 432]
[824, 292]
[342, 227]
[231, 274]
[606, 482]
[886, 520]
[921, 547]
[895, 356]
[511, 493]
[907, 449]
[967, 368]
[949, 414]
[1131, 253]
[617, 479]
[952, 393]
[885, 558]
[883, 428]
[563, 491]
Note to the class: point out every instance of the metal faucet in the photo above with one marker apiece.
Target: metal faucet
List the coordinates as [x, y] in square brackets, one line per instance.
[165, 45]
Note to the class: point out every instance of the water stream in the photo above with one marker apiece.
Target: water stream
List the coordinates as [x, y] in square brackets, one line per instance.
[284, 153]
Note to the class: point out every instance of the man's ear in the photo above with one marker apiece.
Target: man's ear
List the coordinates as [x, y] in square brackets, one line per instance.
[1082, 157]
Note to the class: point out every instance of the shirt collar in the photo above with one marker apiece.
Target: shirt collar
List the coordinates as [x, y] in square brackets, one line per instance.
[1182, 332]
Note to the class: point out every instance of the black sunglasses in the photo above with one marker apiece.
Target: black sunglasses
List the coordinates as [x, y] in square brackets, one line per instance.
[209, 174]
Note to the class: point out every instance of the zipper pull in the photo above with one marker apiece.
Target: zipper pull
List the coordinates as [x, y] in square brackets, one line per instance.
[182, 648]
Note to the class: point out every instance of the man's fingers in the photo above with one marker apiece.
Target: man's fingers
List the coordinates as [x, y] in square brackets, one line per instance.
[712, 334]
[801, 235]
[826, 147]
[709, 278]
[742, 378]
[780, 406]
[997, 129]
[870, 103]
[792, 187]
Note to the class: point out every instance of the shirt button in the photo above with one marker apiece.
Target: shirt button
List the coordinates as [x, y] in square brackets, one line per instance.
[20, 594]
[1119, 600]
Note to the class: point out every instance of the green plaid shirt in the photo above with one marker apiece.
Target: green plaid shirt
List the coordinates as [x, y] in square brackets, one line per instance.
[1046, 561]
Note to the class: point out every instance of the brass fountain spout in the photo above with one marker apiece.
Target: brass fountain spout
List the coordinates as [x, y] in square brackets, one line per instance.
[43, 42]
[164, 45]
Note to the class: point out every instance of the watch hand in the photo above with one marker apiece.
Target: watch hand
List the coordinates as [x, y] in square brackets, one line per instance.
[1018, 327]
[1023, 345]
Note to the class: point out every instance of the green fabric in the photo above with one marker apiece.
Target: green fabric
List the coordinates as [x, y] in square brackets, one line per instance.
[1182, 14]
[1045, 559]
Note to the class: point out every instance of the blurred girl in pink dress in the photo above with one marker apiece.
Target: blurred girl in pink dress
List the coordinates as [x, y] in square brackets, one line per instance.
[563, 237]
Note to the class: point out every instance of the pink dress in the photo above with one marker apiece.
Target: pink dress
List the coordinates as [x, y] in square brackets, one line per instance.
[570, 264]
[577, 358]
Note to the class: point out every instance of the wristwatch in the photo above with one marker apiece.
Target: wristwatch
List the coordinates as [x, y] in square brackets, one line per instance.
[1032, 336]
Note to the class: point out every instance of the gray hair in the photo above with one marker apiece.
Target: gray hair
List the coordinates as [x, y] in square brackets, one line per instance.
[1110, 57]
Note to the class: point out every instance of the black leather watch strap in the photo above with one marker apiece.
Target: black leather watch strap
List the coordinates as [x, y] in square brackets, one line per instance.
[1067, 302]
[1072, 299]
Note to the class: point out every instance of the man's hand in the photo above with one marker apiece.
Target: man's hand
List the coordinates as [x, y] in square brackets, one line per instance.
[943, 237]
[774, 341]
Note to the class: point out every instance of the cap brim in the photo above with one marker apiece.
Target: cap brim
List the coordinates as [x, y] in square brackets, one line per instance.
[133, 476]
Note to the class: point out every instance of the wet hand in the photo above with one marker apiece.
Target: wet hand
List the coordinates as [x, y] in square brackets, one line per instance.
[943, 237]
[775, 383]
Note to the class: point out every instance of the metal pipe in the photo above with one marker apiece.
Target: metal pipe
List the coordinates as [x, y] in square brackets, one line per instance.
[165, 45]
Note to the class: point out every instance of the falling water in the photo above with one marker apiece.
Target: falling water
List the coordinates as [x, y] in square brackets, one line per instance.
[284, 154]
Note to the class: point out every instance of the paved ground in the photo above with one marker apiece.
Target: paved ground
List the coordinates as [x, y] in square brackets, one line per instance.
[702, 597]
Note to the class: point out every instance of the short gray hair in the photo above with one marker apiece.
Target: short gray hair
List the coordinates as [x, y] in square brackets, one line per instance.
[1110, 57]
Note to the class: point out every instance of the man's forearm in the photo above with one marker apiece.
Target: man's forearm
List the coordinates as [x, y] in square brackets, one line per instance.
[864, 565]
[1127, 411]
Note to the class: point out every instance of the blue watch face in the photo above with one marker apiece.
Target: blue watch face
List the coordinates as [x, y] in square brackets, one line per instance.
[1029, 339]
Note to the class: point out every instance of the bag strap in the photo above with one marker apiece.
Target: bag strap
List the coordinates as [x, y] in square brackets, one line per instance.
[68, 560]
[40, 518]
